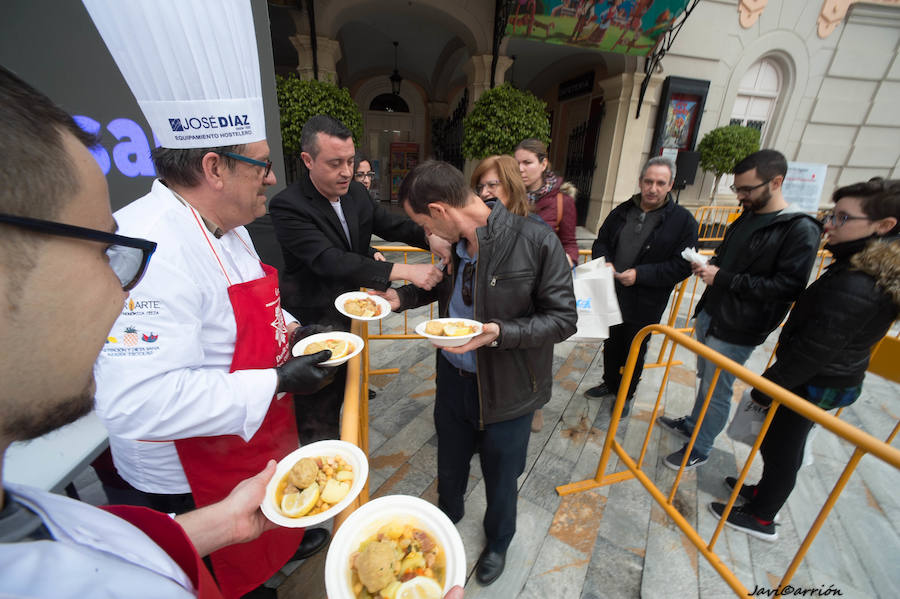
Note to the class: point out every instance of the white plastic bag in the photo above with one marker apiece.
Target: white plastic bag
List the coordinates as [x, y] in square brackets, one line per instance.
[595, 298]
[747, 420]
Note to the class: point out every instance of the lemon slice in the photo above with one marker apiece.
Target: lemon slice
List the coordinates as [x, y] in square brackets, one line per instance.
[420, 587]
[295, 505]
[339, 348]
[451, 330]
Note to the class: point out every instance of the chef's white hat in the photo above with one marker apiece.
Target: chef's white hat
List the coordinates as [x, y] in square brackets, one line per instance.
[192, 66]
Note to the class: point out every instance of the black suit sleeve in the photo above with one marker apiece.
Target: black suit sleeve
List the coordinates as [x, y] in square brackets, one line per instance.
[306, 233]
[396, 227]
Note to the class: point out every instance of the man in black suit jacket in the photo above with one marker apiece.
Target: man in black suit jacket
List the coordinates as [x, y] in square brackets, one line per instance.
[324, 224]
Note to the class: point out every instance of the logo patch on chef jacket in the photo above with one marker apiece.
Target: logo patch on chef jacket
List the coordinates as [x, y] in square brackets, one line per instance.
[142, 307]
[127, 340]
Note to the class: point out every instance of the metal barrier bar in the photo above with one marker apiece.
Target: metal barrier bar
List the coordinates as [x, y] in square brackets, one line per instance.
[355, 413]
[863, 442]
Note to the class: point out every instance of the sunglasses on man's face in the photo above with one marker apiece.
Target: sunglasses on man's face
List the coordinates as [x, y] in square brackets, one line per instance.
[128, 256]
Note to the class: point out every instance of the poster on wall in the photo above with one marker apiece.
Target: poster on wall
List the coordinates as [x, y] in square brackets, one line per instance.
[681, 106]
[804, 184]
[404, 157]
[622, 26]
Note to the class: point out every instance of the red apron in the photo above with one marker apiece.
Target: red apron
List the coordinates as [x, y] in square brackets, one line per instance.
[214, 465]
[172, 539]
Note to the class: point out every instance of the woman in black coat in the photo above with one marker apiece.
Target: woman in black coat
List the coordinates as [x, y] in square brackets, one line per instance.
[824, 349]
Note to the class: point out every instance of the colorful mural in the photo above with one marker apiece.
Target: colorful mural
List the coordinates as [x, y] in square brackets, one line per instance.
[623, 26]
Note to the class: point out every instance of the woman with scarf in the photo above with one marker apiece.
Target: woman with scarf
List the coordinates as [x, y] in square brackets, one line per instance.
[824, 348]
[551, 198]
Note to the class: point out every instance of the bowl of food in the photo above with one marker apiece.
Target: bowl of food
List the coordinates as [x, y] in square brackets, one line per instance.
[449, 332]
[362, 306]
[395, 546]
[343, 346]
[315, 483]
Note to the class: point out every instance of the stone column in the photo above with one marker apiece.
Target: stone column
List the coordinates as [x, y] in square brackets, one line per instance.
[478, 74]
[620, 146]
[328, 54]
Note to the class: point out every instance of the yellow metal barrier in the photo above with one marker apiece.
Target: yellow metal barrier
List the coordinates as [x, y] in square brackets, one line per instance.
[713, 220]
[864, 443]
[355, 413]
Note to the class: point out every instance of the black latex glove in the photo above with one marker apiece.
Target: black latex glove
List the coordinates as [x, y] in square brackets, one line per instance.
[307, 330]
[302, 375]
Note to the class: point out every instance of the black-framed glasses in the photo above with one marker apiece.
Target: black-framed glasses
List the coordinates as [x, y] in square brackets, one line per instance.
[747, 188]
[839, 219]
[267, 164]
[467, 275]
[361, 175]
[128, 256]
[491, 185]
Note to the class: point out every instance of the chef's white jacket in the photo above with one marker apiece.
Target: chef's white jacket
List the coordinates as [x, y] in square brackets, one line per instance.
[93, 554]
[163, 373]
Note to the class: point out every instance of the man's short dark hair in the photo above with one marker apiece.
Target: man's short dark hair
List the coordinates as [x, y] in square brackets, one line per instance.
[37, 173]
[768, 164]
[434, 181]
[321, 123]
[38, 176]
[184, 167]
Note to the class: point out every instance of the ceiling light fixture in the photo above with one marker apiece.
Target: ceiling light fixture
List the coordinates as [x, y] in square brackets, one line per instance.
[395, 77]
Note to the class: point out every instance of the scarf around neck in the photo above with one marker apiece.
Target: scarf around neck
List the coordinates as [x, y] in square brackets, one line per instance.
[550, 181]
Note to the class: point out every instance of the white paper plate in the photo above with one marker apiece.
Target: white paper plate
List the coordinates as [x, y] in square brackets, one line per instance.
[365, 522]
[357, 343]
[380, 301]
[441, 340]
[351, 454]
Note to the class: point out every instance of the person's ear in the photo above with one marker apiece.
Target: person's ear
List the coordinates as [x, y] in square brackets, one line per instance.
[437, 210]
[307, 159]
[885, 225]
[213, 166]
[776, 182]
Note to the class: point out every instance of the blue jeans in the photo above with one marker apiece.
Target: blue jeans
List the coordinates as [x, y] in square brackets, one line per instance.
[720, 403]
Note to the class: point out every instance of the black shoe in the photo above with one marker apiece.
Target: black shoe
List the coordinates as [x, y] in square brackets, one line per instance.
[598, 392]
[490, 566]
[748, 492]
[314, 540]
[741, 519]
[372, 394]
[676, 425]
[673, 460]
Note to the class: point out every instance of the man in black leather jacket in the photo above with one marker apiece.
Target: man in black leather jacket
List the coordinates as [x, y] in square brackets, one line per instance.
[760, 268]
[511, 274]
[642, 239]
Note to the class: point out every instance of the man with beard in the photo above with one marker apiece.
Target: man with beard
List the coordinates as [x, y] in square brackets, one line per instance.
[63, 270]
[757, 272]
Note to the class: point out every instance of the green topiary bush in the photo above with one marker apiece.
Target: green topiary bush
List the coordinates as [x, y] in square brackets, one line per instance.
[500, 119]
[298, 100]
[722, 148]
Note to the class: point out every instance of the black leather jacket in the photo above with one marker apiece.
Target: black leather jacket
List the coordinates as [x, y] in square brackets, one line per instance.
[748, 302]
[522, 283]
[830, 333]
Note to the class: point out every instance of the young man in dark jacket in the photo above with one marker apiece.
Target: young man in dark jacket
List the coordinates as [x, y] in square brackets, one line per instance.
[511, 274]
[642, 239]
[761, 268]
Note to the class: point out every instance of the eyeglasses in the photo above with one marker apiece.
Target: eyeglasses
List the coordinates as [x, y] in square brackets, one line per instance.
[360, 176]
[839, 219]
[128, 256]
[491, 185]
[267, 164]
[467, 273]
[640, 222]
[745, 189]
